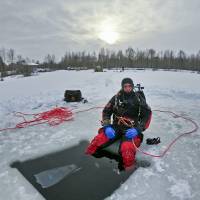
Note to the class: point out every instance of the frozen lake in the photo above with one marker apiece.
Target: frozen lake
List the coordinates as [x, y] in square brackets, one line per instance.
[174, 177]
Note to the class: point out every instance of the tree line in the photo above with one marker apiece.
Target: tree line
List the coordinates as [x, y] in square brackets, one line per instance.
[129, 58]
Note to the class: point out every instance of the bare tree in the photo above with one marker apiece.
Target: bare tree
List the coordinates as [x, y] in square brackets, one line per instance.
[130, 54]
[3, 54]
[20, 60]
[151, 54]
[50, 59]
[1, 68]
[181, 59]
[11, 56]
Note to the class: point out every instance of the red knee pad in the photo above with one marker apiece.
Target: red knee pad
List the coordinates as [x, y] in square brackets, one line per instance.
[98, 141]
[128, 153]
[137, 141]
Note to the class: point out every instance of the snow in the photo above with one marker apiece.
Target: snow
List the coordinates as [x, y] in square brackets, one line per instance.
[180, 188]
[176, 176]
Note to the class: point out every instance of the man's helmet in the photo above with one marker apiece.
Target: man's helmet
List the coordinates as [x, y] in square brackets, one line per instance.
[127, 80]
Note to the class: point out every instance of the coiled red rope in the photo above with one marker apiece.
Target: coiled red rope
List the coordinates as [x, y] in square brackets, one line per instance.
[53, 117]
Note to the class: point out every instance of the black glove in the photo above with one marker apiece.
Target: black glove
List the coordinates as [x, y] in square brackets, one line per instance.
[105, 122]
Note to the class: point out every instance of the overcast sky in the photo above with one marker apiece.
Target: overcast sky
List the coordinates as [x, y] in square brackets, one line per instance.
[37, 27]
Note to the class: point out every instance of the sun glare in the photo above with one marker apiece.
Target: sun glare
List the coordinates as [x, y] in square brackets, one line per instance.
[109, 37]
[108, 32]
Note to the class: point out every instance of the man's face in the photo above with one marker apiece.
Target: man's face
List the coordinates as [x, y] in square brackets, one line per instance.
[127, 88]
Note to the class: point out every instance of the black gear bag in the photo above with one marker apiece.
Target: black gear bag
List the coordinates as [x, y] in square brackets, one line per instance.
[73, 96]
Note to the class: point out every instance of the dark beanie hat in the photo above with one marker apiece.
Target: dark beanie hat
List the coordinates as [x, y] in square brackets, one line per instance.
[127, 80]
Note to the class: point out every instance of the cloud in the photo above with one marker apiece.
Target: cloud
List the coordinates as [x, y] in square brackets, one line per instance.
[35, 28]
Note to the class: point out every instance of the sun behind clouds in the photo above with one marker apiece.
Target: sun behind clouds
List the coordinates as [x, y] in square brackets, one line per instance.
[108, 32]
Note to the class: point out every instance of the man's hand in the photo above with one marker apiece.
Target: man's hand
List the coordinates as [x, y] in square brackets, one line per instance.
[109, 131]
[131, 133]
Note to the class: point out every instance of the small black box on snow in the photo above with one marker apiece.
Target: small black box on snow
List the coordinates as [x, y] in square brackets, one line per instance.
[73, 96]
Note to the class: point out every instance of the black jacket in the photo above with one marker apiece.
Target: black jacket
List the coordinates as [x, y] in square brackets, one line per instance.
[132, 106]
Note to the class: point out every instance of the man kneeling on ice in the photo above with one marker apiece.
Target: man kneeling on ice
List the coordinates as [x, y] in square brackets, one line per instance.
[131, 115]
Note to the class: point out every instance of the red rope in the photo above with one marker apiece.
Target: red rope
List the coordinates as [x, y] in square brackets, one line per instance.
[196, 127]
[53, 117]
[60, 114]
[92, 108]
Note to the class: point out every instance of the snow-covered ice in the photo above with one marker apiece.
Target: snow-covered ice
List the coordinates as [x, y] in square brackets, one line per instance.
[174, 177]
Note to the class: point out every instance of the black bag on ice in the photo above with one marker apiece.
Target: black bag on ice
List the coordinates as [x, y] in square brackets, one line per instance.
[73, 96]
